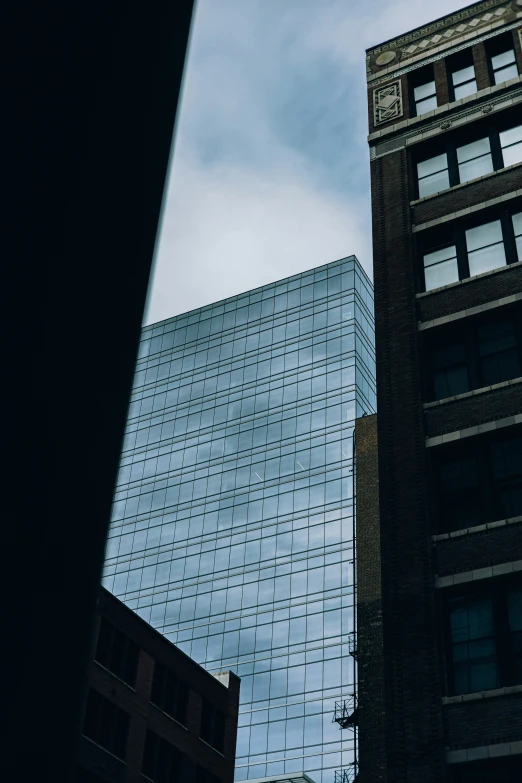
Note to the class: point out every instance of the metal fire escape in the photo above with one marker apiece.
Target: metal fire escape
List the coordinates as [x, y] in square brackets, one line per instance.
[345, 713]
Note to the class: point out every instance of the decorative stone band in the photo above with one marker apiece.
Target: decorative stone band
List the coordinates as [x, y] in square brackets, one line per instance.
[430, 35]
[406, 132]
[449, 47]
[484, 752]
[387, 103]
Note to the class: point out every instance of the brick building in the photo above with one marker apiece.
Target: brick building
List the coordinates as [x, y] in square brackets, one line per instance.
[152, 713]
[440, 553]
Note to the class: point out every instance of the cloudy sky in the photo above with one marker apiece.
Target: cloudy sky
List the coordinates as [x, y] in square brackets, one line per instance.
[270, 171]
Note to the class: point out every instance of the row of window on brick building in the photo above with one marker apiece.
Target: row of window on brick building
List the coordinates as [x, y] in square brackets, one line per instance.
[108, 725]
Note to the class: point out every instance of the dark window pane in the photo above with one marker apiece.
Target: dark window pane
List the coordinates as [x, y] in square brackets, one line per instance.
[499, 353]
[106, 724]
[212, 729]
[459, 501]
[515, 626]
[169, 693]
[506, 457]
[117, 652]
[473, 645]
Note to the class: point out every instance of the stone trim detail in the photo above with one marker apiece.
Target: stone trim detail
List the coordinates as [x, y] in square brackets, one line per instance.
[478, 429]
[415, 129]
[484, 752]
[466, 280]
[478, 695]
[476, 207]
[469, 531]
[387, 103]
[512, 567]
[473, 393]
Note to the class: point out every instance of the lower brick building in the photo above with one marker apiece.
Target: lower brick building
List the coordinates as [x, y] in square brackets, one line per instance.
[152, 713]
[439, 469]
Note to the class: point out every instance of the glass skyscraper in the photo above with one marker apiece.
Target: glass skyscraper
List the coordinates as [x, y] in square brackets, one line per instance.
[232, 520]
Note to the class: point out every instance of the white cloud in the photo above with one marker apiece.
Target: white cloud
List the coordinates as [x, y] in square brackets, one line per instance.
[270, 173]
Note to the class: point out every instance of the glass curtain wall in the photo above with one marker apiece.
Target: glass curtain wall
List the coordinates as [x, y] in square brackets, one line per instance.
[232, 520]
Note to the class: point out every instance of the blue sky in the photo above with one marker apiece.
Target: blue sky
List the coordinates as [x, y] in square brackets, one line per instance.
[270, 169]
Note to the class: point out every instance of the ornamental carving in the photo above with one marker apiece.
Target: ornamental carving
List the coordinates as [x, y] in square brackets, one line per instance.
[387, 103]
[443, 30]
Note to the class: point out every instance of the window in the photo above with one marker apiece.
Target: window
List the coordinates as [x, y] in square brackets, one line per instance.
[477, 480]
[499, 352]
[212, 728]
[433, 175]
[455, 252]
[440, 267]
[169, 693]
[450, 371]
[504, 66]
[484, 637]
[164, 763]
[464, 82]
[457, 164]
[425, 98]
[106, 724]
[459, 501]
[515, 628]
[474, 160]
[506, 458]
[485, 247]
[117, 652]
[511, 145]
[473, 645]
[480, 351]
[517, 229]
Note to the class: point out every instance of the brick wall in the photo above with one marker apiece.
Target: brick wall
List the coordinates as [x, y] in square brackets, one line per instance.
[480, 61]
[488, 721]
[371, 709]
[136, 701]
[470, 411]
[478, 550]
[464, 196]
[470, 294]
[412, 679]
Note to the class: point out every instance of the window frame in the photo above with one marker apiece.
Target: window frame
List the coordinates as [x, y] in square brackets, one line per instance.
[164, 679]
[450, 144]
[420, 78]
[457, 63]
[101, 706]
[108, 633]
[500, 44]
[454, 234]
[497, 591]
[488, 497]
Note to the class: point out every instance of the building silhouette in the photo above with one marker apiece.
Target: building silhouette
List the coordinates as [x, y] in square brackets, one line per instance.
[232, 520]
[152, 711]
[439, 469]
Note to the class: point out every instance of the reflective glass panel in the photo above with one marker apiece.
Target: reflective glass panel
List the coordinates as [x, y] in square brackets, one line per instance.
[474, 159]
[440, 268]
[485, 248]
[511, 143]
[433, 175]
[504, 66]
[231, 529]
[517, 227]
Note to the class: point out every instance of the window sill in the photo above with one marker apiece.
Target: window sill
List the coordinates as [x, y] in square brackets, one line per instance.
[472, 393]
[109, 753]
[468, 279]
[114, 676]
[212, 747]
[166, 714]
[469, 531]
[507, 691]
[478, 574]
[491, 174]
